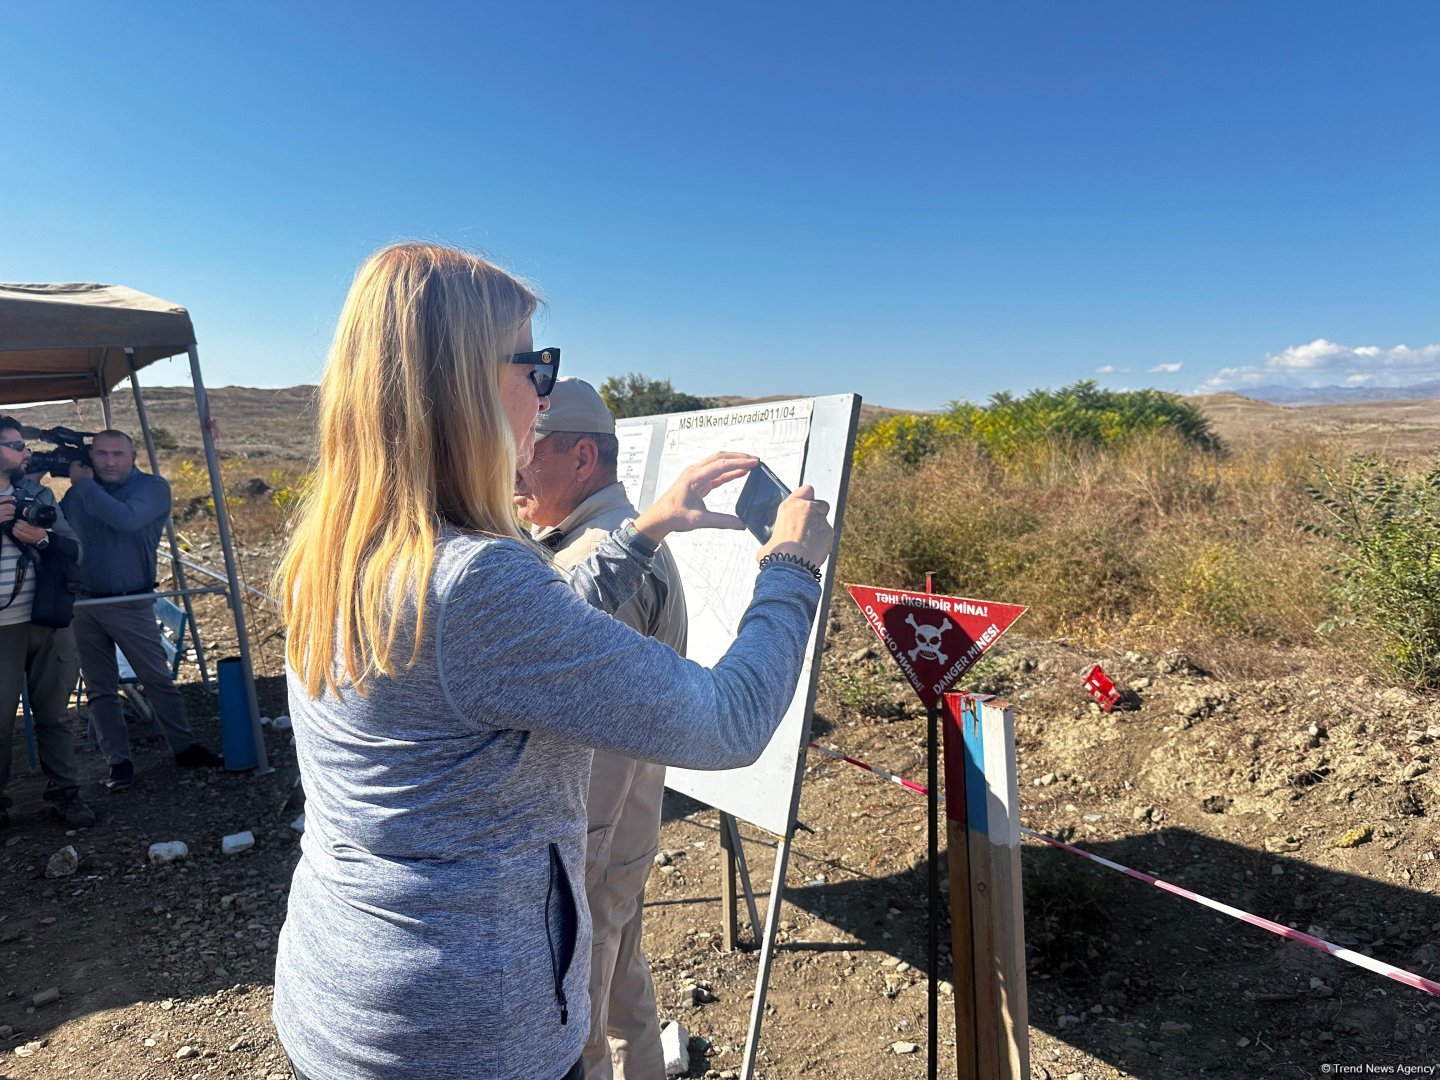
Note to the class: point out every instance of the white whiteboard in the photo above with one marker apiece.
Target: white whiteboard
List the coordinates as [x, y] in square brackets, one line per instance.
[806, 441]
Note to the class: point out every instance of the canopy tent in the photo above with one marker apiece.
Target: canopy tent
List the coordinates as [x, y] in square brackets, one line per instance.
[69, 341]
[82, 341]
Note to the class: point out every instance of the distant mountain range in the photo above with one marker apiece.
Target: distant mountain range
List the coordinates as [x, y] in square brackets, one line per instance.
[1341, 395]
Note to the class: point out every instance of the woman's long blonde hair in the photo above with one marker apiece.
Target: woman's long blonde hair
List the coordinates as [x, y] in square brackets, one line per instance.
[412, 434]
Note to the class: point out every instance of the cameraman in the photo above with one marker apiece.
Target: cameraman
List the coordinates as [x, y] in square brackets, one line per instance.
[32, 555]
[119, 513]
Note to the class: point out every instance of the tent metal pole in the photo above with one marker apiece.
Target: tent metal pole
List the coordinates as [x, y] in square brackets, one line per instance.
[222, 519]
[177, 565]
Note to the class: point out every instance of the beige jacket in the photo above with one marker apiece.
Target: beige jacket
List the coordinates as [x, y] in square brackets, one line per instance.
[658, 608]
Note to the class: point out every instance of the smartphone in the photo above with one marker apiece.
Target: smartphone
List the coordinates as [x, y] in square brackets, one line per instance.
[759, 500]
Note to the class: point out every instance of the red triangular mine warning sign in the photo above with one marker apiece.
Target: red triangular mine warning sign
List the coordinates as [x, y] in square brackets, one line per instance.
[934, 639]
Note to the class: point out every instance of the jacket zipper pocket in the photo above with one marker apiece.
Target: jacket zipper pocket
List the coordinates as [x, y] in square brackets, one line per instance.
[561, 915]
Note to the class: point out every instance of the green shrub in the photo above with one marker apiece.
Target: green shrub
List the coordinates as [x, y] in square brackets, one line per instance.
[906, 439]
[1386, 528]
[1082, 414]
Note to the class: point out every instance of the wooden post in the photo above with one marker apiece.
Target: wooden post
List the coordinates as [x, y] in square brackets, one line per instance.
[982, 914]
[1007, 900]
[957, 849]
[982, 801]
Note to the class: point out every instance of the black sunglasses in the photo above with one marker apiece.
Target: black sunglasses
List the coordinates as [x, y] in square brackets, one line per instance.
[13, 444]
[544, 368]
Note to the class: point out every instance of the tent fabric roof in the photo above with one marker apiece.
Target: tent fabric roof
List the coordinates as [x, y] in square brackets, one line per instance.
[69, 341]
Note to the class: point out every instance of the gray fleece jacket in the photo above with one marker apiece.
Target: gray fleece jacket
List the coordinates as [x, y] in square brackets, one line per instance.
[437, 926]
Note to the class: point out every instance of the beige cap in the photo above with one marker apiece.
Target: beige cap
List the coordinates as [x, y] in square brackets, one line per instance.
[575, 406]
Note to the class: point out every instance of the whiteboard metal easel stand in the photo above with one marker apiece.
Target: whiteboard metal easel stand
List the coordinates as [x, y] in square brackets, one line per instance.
[811, 440]
[735, 866]
[730, 844]
[767, 956]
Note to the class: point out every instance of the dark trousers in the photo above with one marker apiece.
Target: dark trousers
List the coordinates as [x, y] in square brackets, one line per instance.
[132, 626]
[29, 657]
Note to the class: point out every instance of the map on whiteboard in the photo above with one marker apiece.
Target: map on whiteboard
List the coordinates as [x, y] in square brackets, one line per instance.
[718, 566]
[801, 439]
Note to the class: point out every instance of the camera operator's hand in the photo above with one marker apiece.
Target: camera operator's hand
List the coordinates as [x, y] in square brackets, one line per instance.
[801, 528]
[80, 472]
[7, 508]
[682, 507]
[27, 533]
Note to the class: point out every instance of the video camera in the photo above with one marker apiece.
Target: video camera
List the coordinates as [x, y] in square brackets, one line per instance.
[70, 447]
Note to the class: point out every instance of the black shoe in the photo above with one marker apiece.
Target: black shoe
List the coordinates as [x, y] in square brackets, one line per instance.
[76, 813]
[121, 776]
[196, 756]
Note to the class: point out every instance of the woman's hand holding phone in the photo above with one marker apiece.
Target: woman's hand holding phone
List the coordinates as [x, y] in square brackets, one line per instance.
[801, 528]
[682, 507]
[801, 524]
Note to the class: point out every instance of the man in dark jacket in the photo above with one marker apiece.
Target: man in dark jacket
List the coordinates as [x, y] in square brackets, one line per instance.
[119, 514]
[28, 654]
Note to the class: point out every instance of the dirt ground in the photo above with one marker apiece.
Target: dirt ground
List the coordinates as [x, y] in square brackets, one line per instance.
[1240, 774]
[1237, 788]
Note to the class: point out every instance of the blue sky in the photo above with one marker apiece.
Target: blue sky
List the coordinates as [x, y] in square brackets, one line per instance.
[916, 202]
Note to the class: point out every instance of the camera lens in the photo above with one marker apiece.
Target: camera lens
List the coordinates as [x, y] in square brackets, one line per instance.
[41, 516]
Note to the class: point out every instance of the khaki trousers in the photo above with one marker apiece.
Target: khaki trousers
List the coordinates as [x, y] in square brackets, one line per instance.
[624, 813]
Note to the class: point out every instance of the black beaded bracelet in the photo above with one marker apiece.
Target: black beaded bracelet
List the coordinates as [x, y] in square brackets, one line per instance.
[785, 556]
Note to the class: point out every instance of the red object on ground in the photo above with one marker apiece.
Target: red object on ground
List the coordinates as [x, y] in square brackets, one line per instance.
[1101, 688]
[935, 639]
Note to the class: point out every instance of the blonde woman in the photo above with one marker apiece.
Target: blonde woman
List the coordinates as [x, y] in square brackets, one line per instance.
[447, 685]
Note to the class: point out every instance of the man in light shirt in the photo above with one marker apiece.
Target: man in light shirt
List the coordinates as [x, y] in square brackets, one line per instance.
[570, 497]
[29, 657]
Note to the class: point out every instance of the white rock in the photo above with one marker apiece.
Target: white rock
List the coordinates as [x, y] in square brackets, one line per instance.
[265, 721]
[298, 824]
[63, 862]
[904, 1048]
[171, 851]
[237, 842]
[282, 723]
[675, 1043]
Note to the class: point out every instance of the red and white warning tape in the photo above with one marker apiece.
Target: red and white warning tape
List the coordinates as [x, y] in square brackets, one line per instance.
[1319, 944]
[882, 773]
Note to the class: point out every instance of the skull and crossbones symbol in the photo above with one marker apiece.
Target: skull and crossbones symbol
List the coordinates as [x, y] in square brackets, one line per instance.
[927, 639]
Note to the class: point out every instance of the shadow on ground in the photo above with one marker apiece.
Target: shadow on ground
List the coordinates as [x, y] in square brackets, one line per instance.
[118, 931]
[1113, 961]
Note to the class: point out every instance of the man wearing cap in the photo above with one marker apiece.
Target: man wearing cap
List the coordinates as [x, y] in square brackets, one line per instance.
[570, 497]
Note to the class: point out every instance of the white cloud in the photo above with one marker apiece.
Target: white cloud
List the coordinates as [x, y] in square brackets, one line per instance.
[1164, 369]
[1111, 369]
[1323, 363]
